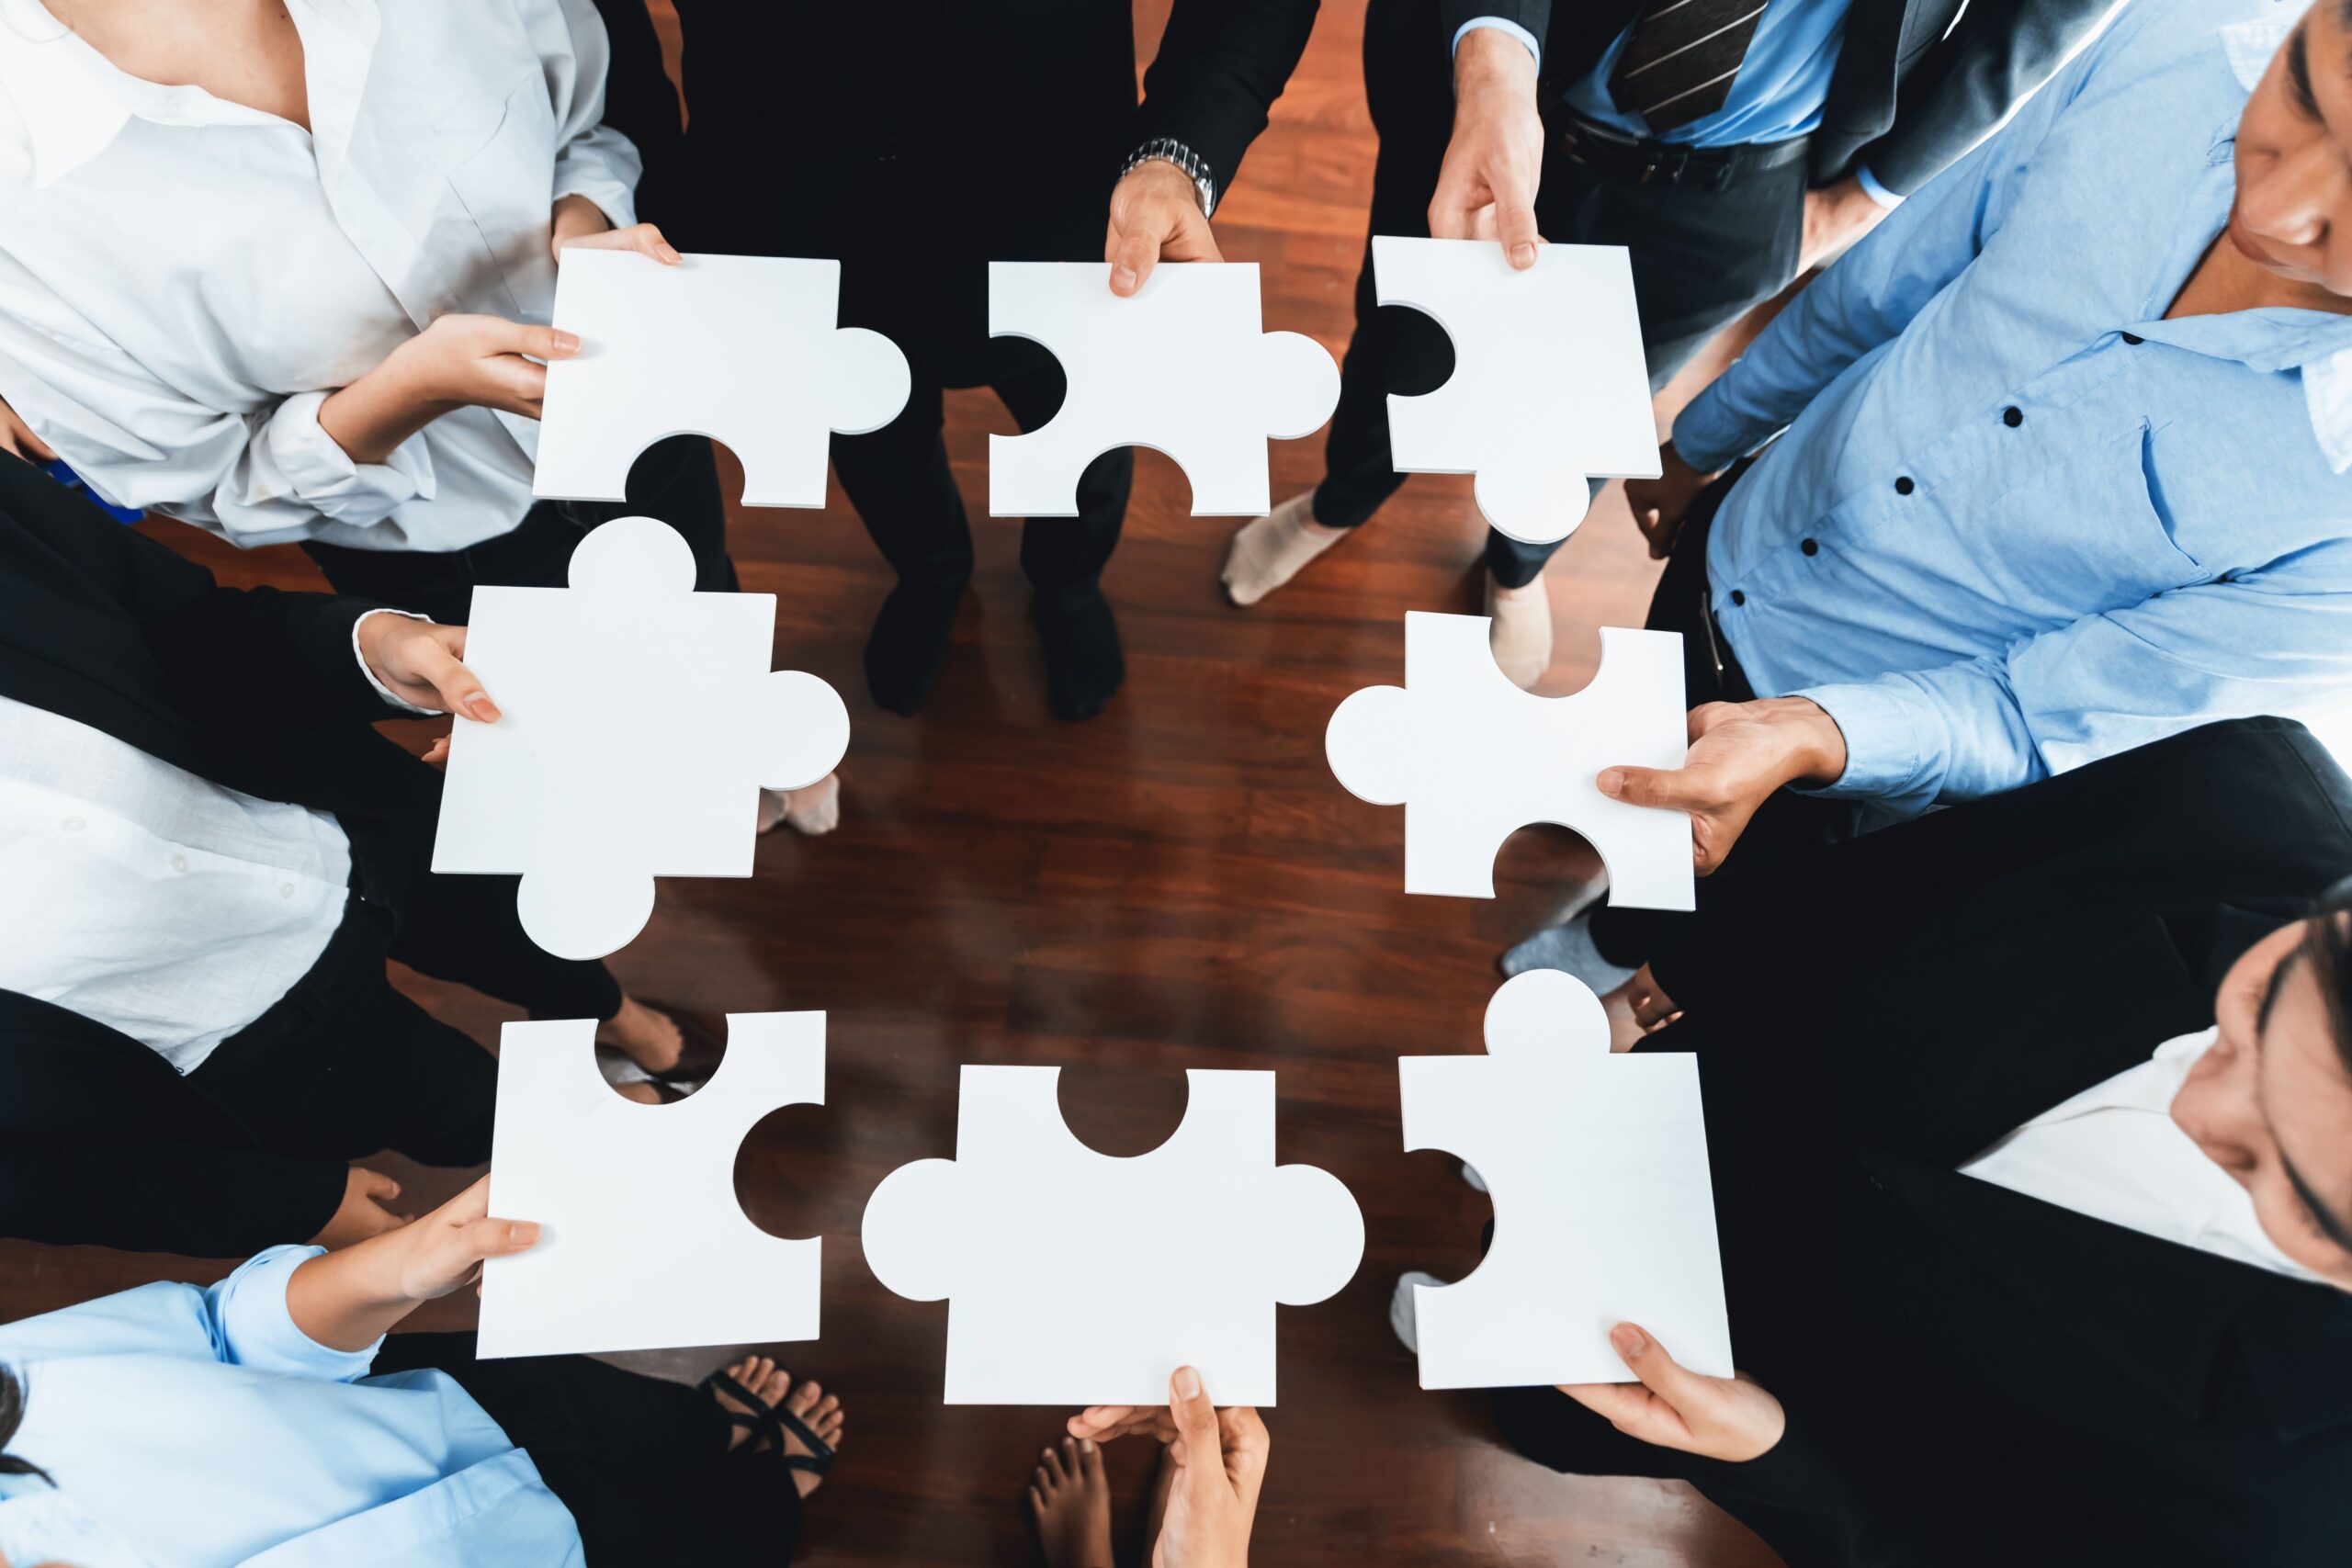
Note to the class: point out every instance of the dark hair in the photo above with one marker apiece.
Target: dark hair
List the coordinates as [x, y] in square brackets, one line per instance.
[12, 1415]
[2327, 947]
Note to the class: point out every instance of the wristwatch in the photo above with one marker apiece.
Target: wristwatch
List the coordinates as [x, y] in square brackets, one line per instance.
[1184, 158]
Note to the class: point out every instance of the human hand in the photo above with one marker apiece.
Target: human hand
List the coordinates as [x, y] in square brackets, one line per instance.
[1486, 187]
[1660, 504]
[1740, 752]
[1651, 1007]
[1731, 1418]
[347, 1299]
[1220, 1458]
[444, 1250]
[361, 1214]
[421, 664]
[17, 439]
[1835, 217]
[1154, 216]
[457, 362]
[580, 221]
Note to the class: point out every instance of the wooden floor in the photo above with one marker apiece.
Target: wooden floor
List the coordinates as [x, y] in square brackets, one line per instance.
[1179, 884]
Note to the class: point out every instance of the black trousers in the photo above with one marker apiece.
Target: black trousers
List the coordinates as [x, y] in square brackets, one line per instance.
[641, 1463]
[899, 477]
[342, 1064]
[675, 480]
[1700, 259]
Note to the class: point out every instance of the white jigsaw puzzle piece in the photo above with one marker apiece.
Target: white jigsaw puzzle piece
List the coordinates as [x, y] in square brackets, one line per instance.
[1184, 366]
[1205, 1235]
[1473, 759]
[742, 349]
[1550, 385]
[1596, 1167]
[642, 1244]
[589, 823]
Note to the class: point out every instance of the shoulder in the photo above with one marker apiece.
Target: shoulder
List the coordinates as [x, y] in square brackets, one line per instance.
[2151, 39]
[158, 1319]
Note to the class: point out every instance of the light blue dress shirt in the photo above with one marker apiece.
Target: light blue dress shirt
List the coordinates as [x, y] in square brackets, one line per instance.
[2018, 521]
[1784, 82]
[187, 1427]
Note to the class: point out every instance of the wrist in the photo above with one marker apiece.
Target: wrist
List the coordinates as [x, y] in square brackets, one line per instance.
[1490, 58]
[1814, 747]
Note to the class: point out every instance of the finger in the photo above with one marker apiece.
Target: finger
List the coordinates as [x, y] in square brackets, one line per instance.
[647, 239]
[1684, 1390]
[539, 343]
[1708, 716]
[1666, 789]
[1134, 253]
[438, 754]
[500, 1238]
[1192, 241]
[1514, 219]
[1194, 1416]
[470, 1204]
[376, 1184]
[460, 689]
[1452, 203]
[1625, 1406]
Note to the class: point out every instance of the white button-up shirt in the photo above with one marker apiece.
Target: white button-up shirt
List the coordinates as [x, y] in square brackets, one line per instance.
[2114, 1153]
[183, 280]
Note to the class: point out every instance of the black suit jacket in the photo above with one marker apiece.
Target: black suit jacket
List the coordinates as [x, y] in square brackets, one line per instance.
[1914, 88]
[101, 1140]
[862, 128]
[1975, 1376]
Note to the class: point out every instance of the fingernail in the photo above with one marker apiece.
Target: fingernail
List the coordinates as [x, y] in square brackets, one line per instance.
[1629, 1340]
[566, 342]
[1611, 782]
[1123, 276]
[1522, 256]
[525, 1232]
[1188, 1383]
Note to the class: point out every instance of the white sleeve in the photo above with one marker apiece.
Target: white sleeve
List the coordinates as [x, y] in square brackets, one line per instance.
[592, 159]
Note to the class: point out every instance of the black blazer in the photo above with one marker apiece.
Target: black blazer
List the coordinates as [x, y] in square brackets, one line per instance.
[853, 128]
[100, 1138]
[1973, 1376]
[1912, 89]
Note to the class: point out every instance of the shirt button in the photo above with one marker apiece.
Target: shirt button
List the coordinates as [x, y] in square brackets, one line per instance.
[179, 862]
[1810, 547]
[74, 824]
[1738, 596]
[285, 890]
[2134, 339]
[1903, 485]
[2013, 417]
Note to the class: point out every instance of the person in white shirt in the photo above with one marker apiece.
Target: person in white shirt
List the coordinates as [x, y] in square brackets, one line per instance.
[283, 272]
[2030, 1122]
[207, 854]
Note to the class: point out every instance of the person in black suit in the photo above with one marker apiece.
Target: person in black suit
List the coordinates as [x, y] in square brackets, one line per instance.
[1784, 134]
[2005, 1286]
[205, 856]
[917, 142]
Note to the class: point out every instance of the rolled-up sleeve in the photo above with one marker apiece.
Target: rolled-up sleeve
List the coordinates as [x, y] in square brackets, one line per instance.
[264, 476]
[592, 159]
[250, 1326]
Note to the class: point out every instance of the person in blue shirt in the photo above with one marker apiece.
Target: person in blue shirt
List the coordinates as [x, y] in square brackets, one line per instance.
[1728, 145]
[269, 1419]
[2051, 465]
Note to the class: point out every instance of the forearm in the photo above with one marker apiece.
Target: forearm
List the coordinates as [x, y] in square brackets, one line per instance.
[349, 1299]
[1809, 1505]
[1221, 65]
[370, 418]
[1916, 737]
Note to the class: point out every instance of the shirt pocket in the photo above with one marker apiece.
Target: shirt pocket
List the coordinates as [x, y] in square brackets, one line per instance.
[500, 166]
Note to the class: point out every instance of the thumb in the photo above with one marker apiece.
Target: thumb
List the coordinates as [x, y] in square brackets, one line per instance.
[1195, 1418]
[1659, 1373]
[376, 1184]
[1515, 224]
[1668, 788]
[1133, 254]
[501, 1238]
[459, 689]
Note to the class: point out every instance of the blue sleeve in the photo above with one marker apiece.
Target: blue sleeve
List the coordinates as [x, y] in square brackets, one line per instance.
[245, 1315]
[2265, 643]
[1869, 295]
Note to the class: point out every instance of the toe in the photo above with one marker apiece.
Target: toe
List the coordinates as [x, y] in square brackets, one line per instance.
[775, 1386]
[804, 1398]
[1091, 1457]
[1054, 1466]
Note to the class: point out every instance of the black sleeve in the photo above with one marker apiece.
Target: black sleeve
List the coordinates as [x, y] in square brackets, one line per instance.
[256, 659]
[1810, 1505]
[148, 1194]
[1994, 58]
[641, 103]
[1221, 65]
[1535, 15]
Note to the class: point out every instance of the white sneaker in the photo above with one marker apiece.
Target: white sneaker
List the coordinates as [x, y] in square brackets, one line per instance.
[1268, 551]
[1521, 634]
[1400, 1308]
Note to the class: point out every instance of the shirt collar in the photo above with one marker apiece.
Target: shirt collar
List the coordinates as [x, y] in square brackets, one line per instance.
[71, 102]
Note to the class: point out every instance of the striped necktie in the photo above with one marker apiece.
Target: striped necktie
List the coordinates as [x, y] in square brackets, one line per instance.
[1679, 64]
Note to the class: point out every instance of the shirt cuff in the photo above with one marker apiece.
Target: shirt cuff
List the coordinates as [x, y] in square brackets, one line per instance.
[382, 689]
[256, 1330]
[1502, 25]
[1875, 191]
[603, 168]
[321, 474]
[1886, 751]
[1707, 437]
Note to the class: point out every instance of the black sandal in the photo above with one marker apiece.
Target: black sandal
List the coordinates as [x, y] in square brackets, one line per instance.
[771, 1422]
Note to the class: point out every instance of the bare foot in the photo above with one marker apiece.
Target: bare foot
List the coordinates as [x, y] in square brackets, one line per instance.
[811, 811]
[1071, 1503]
[773, 1387]
[650, 1039]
